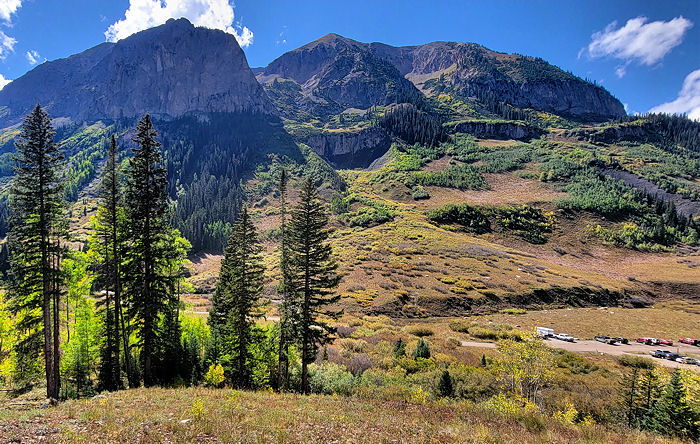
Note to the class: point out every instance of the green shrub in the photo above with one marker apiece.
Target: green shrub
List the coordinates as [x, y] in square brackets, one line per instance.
[462, 177]
[528, 222]
[467, 216]
[420, 193]
[422, 350]
[483, 333]
[329, 378]
[514, 311]
[636, 361]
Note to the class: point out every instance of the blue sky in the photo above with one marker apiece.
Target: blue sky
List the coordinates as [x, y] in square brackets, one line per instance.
[647, 53]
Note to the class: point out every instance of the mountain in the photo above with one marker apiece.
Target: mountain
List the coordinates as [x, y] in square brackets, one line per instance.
[327, 73]
[332, 74]
[169, 71]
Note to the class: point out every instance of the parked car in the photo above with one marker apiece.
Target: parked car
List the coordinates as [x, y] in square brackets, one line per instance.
[564, 337]
[689, 360]
[663, 354]
[605, 340]
[673, 356]
[690, 341]
[544, 332]
[621, 340]
[647, 341]
[664, 342]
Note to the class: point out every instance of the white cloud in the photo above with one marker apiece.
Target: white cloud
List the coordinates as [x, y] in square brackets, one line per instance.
[144, 14]
[688, 101]
[7, 45]
[645, 43]
[9, 7]
[3, 81]
[32, 57]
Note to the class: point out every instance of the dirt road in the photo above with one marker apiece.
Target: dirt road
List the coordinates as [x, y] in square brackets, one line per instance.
[634, 349]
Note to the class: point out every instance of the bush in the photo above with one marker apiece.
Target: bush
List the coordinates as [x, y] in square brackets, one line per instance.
[460, 326]
[468, 217]
[422, 350]
[420, 193]
[420, 331]
[329, 378]
[482, 333]
[462, 177]
[214, 376]
[528, 222]
[636, 361]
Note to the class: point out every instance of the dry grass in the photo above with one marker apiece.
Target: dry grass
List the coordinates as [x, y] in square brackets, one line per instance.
[210, 415]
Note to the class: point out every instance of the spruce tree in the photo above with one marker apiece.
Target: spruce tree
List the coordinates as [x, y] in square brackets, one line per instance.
[109, 237]
[312, 273]
[422, 350]
[672, 414]
[36, 203]
[289, 307]
[237, 299]
[147, 281]
[445, 387]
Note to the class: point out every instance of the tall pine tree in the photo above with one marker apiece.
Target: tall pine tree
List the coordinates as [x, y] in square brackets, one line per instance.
[312, 274]
[236, 303]
[109, 244]
[147, 281]
[288, 310]
[36, 202]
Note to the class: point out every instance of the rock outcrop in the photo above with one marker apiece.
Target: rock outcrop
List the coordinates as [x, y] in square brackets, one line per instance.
[350, 149]
[496, 130]
[169, 70]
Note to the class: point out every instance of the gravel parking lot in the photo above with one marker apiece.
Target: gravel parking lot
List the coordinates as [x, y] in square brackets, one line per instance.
[633, 348]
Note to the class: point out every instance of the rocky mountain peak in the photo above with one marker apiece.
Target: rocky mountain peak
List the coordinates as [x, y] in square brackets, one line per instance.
[169, 71]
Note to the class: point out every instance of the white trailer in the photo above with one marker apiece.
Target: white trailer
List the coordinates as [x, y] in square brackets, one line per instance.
[544, 332]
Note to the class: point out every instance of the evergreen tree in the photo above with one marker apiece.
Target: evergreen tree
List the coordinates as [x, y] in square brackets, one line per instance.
[445, 387]
[109, 240]
[289, 307]
[629, 395]
[147, 281]
[312, 274]
[399, 348]
[36, 203]
[422, 350]
[237, 300]
[672, 414]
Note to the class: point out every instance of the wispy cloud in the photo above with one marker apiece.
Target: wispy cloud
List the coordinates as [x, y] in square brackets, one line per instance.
[9, 7]
[638, 41]
[3, 81]
[7, 45]
[688, 100]
[144, 14]
[33, 57]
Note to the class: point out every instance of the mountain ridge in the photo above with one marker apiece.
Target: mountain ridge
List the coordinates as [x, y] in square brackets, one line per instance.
[468, 69]
[162, 70]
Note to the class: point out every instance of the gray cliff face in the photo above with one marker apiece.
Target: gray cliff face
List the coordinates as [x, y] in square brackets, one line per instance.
[350, 149]
[168, 71]
[498, 130]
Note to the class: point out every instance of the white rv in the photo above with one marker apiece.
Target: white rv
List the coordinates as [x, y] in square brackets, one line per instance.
[544, 332]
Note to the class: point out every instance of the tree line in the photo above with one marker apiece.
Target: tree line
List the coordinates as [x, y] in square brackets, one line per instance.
[130, 331]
